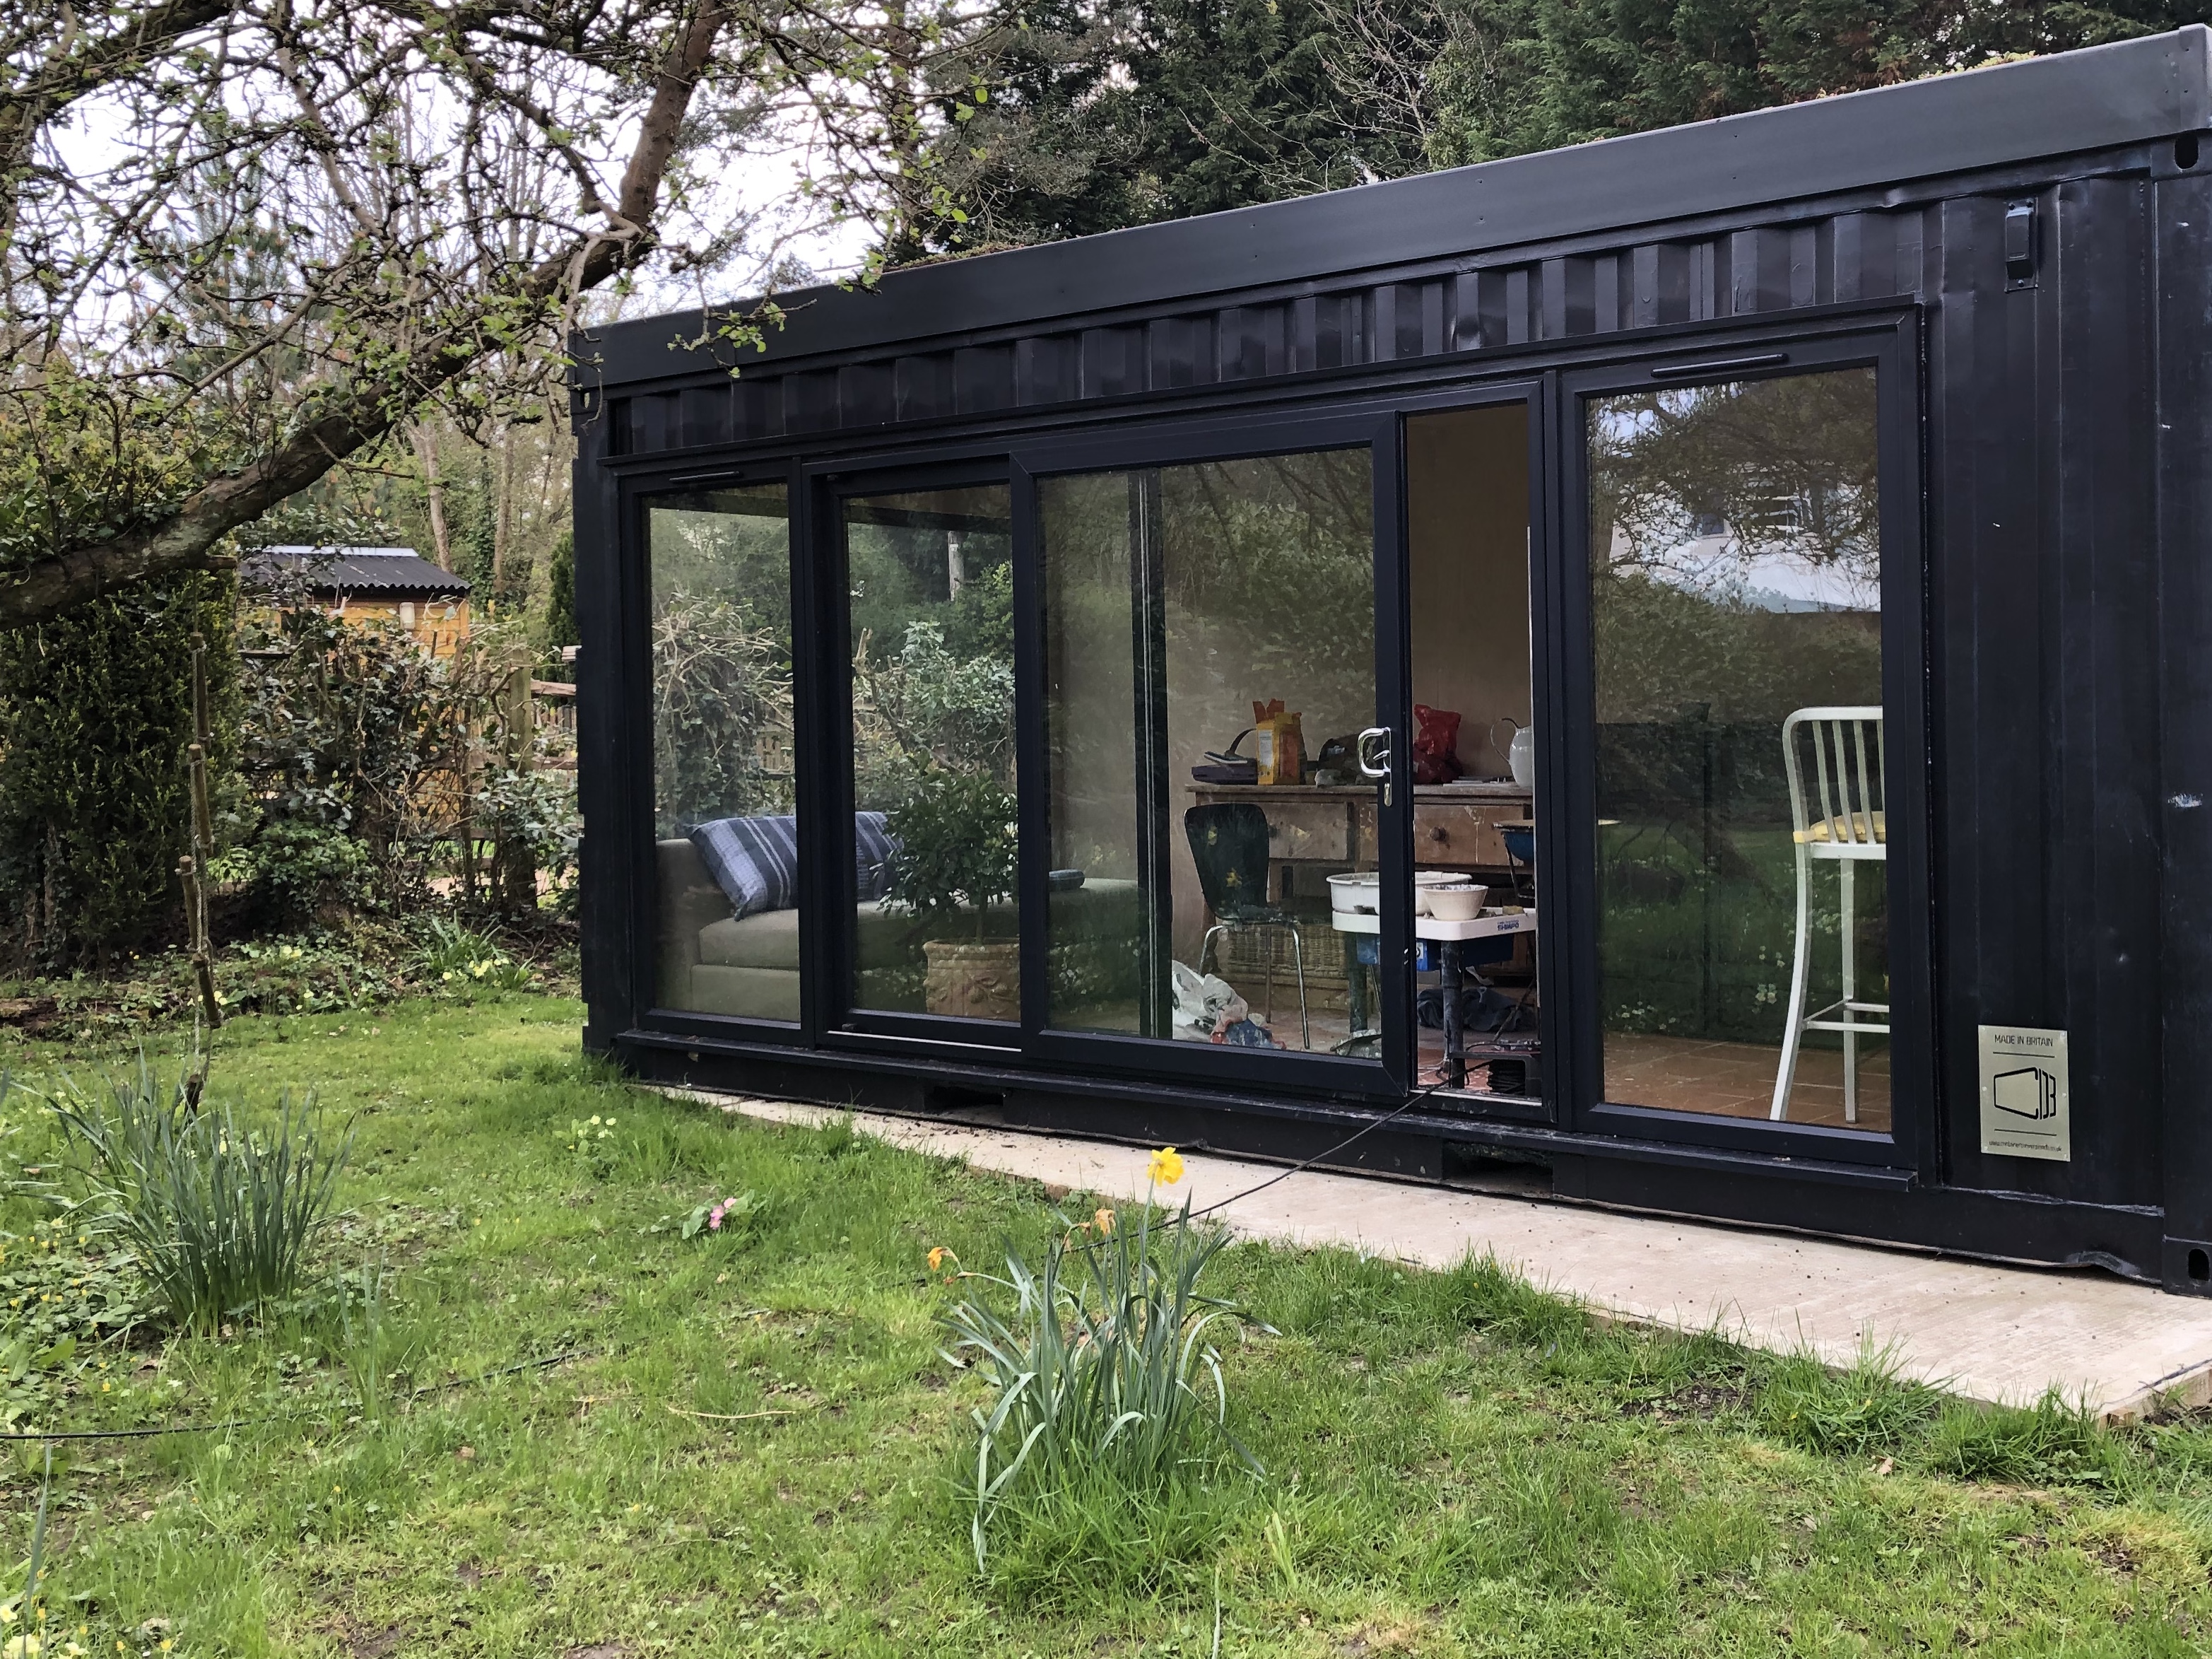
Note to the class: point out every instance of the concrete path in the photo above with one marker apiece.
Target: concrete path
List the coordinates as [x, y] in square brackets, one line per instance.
[1989, 1333]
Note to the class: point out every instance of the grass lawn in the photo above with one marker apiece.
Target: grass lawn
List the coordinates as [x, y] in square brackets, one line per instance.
[752, 1450]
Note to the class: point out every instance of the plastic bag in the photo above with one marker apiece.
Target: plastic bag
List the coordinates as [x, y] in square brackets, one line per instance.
[1201, 1000]
[1207, 1009]
[1436, 744]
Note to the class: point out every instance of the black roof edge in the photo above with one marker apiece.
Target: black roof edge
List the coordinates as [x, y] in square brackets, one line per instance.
[2096, 98]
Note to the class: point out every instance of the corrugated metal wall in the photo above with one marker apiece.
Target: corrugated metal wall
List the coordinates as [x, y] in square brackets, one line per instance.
[1848, 256]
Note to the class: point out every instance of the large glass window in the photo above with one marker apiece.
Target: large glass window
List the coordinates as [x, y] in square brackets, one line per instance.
[724, 809]
[1742, 836]
[1209, 642]
[932, 645]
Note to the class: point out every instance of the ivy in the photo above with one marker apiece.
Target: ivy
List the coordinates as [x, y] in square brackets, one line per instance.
[96, 712]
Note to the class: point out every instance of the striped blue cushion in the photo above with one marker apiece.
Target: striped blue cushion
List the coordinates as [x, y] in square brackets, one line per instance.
[755, 860]
[873, 846]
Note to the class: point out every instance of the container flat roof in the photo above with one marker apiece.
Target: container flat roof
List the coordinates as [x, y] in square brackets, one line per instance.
[2099, 98]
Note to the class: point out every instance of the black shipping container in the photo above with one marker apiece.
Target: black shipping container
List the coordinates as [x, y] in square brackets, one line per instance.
[1905, 391]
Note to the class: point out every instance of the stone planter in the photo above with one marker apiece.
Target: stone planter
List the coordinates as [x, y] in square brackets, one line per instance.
[973, 979]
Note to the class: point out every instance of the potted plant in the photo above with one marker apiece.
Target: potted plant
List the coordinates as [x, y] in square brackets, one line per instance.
[955, 857]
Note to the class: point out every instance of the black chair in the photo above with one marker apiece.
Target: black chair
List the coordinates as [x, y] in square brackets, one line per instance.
[1229, 845]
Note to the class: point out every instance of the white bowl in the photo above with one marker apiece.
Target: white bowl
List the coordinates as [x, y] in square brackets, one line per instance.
[1358, 894]
[1462, 903]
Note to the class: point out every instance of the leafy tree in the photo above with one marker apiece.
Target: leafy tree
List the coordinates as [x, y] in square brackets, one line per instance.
[1115, 113]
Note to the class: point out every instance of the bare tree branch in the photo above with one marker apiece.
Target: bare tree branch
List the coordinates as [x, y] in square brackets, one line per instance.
[343, 413]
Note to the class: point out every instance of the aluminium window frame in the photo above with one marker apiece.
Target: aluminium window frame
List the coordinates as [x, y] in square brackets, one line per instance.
[636, 492]
[1165, 442]
[1890, 346]
[1539, 370]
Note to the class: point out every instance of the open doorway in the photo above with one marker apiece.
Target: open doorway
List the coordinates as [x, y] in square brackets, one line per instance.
[1476, 914]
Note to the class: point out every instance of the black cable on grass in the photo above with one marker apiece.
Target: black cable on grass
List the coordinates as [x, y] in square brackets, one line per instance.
[1407, 1105]
[546, 1364]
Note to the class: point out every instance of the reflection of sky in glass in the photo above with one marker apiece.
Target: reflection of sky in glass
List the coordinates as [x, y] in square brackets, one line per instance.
[1768, 577]
[1751, 548]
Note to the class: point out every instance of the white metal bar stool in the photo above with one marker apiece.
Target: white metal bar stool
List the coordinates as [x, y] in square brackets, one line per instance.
[1850, 827]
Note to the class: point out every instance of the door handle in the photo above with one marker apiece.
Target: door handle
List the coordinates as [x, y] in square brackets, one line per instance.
[1375, 752]
[1373, 748]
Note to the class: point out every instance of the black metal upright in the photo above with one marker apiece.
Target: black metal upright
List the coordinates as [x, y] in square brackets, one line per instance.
[1148, 627]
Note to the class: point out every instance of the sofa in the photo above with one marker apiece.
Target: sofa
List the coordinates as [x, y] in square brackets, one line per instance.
[711, 962]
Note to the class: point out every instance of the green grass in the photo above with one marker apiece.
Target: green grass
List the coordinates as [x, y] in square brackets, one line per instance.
[756, 1449]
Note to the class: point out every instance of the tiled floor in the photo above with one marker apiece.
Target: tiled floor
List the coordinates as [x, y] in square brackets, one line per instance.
[1736, 1079]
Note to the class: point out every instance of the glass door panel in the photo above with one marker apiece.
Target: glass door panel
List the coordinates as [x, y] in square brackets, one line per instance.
[1209, 659]
[1477, 1004]
[936, 920]
[1740, 757]
[724, 778]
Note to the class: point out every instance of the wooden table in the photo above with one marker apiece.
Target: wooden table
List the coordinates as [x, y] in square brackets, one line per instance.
[1332, 826]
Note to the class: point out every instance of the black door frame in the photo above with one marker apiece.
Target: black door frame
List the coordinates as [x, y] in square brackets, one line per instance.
[1890, 348]
[831, 903]
[1551, 377]
[1536, 394]
[1169, 441]
[637, 495]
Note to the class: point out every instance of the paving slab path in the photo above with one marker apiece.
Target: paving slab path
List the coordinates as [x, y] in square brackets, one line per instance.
[1991, 1333]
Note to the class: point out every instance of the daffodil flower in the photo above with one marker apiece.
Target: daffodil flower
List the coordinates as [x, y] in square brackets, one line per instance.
[1165, 1167]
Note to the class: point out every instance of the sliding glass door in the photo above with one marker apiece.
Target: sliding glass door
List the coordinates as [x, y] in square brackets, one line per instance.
[1218, 799]
[1757, 942]
[928, 932]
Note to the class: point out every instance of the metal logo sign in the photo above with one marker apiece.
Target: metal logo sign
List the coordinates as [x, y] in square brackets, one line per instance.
[2024, 1108]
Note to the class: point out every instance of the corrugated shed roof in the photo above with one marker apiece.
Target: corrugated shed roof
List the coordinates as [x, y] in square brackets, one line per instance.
[393, 570]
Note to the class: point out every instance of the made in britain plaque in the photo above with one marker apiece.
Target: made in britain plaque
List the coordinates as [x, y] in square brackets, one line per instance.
[2024, 1107]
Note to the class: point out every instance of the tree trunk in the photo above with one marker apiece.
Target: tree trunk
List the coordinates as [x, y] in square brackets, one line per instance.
[502, 521]
[426, 456]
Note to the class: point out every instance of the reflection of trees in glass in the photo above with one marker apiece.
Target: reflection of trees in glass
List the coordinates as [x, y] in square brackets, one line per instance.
[1276, 557]
[1782, 468]
[924, 704]
[722, 659]
[1661, 651]
[1736, 548]
[1735, 577]
[721, 714]
[930, 577]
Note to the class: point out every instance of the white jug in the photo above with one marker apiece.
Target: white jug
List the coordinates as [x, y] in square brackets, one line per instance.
[1521, 757]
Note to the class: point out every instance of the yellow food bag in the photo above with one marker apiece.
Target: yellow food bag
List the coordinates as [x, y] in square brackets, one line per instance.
[1278, 744]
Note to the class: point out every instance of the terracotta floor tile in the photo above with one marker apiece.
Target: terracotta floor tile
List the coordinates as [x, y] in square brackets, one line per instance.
[1736, 1079]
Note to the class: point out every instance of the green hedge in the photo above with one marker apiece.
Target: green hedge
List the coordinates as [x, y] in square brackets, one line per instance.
[96, 712]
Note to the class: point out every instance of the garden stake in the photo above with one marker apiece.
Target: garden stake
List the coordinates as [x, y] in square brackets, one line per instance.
[194, 865]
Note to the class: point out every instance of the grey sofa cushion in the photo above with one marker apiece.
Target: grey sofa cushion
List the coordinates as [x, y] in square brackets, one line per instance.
[747, 993]
[712, 962]
[769, 939]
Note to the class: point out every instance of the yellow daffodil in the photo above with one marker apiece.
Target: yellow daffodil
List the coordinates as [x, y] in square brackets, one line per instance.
[1103, 1220]
[1165, 1167]
[939, 1256]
